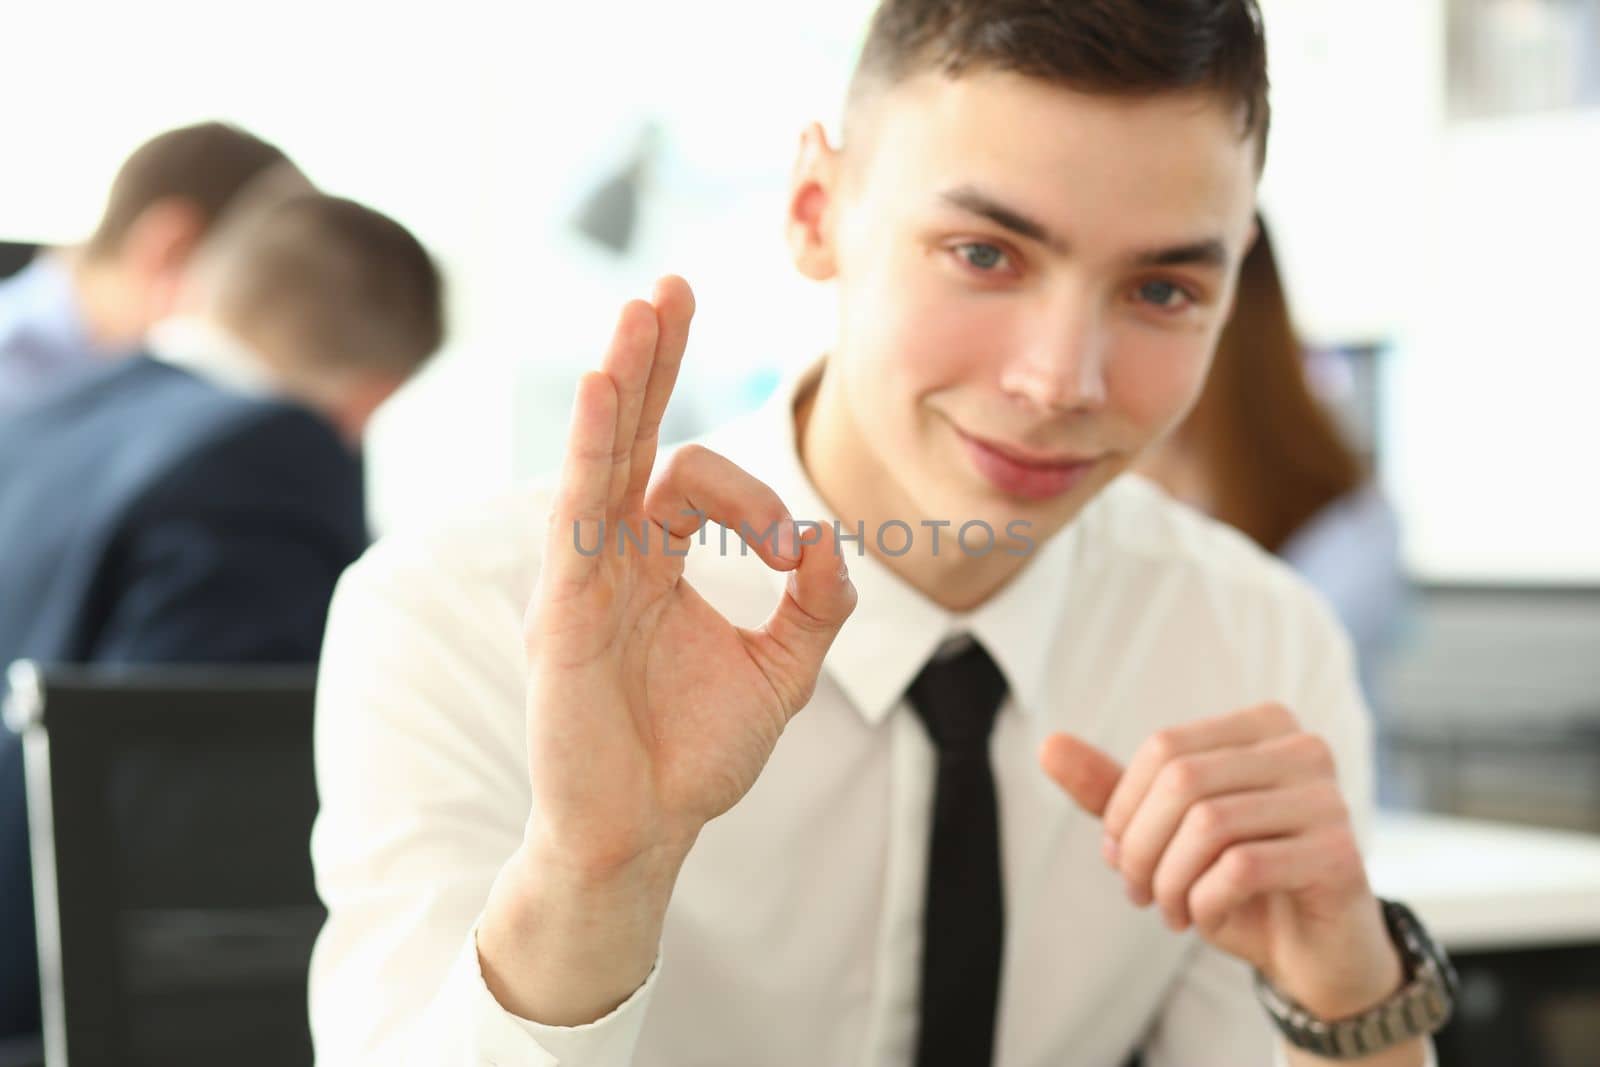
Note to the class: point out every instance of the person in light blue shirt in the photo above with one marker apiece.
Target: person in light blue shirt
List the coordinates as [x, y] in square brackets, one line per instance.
[73, 310]
[45, 338]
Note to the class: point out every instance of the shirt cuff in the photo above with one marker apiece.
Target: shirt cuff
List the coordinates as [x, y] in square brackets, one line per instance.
[505, 1040]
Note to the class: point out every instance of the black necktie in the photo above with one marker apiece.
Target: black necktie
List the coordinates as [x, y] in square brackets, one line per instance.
[964, 925]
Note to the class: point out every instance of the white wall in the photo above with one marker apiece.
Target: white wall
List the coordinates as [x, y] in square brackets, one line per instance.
[1496, 392]
[1468, 245]
[1357, 95]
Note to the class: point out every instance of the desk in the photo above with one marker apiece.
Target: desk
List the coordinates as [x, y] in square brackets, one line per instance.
[1518, 909]
[1483, 885]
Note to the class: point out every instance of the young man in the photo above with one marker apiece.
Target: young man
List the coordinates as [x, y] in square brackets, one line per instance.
[196, 504]
[588, 846]
[72, 310]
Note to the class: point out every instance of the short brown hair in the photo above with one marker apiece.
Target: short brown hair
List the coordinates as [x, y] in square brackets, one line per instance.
[205, 166]
[1129, 47]
[344, 287]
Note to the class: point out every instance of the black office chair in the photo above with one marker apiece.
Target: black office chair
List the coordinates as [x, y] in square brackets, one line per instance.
[170, 814]
[15, 256]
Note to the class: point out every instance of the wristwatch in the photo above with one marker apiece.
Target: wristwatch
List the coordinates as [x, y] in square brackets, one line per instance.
[1421, 1007]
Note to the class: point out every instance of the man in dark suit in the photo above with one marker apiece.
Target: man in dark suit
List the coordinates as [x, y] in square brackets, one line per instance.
[197, 502]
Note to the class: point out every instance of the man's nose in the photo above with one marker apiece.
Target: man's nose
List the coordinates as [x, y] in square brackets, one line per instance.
[1061, 367]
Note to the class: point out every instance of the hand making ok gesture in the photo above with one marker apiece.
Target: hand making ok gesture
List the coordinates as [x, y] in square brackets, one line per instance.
[648, 713]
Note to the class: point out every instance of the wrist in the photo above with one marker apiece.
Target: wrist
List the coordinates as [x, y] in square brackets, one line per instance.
[563, 944]
[615, 872]
[1355, 993]
[1339, 986]
[1389, 1032]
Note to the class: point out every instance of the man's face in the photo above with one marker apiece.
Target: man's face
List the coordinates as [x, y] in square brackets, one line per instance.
[1032, 281]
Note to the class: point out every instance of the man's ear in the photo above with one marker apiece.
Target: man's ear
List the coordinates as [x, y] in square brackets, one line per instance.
[360, 397]
[813, 200]
[163, 237]
[157, 250]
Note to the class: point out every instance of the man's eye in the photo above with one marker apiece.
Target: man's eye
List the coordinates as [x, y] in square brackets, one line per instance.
[1164, 295]
[980, 256]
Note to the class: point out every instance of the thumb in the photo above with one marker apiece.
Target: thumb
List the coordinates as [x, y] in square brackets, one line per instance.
[1086, 773]
[818, 600]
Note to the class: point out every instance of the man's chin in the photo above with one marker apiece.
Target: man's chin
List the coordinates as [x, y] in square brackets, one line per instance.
[983, 522]
[1038, 519]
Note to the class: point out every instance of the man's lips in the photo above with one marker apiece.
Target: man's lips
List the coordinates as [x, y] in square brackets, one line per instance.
[1027, 458]
[1023, 473]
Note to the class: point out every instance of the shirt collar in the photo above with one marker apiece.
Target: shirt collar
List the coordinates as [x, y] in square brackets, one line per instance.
[210, 352]
[895, 629]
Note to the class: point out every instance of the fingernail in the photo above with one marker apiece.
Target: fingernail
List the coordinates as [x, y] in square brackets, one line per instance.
[1109, 849]
[788, 545]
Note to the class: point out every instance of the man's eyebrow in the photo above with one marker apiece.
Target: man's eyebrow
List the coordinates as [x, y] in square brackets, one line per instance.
[1209, 252]
[975, 201]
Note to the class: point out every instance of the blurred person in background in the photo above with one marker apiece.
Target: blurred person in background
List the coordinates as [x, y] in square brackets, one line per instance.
[1262, 453]
[74, 309]
[197, 502]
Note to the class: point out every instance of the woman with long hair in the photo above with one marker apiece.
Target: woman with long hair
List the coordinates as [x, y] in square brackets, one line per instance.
[1262, 453]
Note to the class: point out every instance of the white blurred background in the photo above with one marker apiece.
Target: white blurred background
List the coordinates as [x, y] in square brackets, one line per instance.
[1432, 185]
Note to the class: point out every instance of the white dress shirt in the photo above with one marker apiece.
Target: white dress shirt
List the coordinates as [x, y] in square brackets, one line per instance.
[793, 936]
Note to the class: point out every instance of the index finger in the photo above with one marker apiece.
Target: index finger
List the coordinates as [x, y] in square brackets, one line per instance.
[585, 479]
[1243, 727]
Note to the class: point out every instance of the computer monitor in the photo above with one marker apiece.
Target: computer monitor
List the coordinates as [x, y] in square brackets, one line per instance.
[14, 256]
